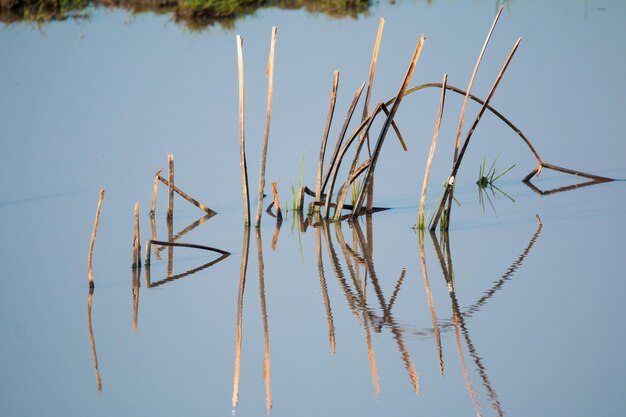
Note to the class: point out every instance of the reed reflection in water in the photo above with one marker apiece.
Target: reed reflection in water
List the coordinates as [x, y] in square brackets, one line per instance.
[239, 339]
[354, 269]
[360, 266]
[93, 341]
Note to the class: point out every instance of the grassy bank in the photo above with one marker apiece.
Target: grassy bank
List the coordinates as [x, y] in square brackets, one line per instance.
[196, 14]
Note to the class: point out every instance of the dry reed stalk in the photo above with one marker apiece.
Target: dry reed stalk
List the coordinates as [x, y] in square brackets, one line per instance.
[242, 143]
[370, 83]
[363, 127]
[170, 193]
[136, 241]
[187, 196]
[93, 240]
[154, 236]
[155, 189]
[370, 172]
[342, 134]
[566, 171]
[355, 169]
[329, 119]
[270, 92]
[279, 213]
[148, 253]
[301, 200]
[481, 102]
[394, 126]
[421, 221]
[242, 285]
[457, 162]
[333, 159]
[471, 82]
[93, 341]
[266, 335]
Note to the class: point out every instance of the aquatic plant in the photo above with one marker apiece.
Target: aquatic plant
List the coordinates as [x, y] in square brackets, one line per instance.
[488, 177]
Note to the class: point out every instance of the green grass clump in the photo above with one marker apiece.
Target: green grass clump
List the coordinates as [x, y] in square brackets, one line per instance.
[296, 191]
[487, 178]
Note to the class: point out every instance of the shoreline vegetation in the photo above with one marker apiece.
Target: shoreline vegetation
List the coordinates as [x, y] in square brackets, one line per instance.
[195, 14]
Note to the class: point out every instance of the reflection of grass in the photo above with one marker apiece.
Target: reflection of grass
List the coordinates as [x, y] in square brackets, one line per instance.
[195, 14]
[483, 195]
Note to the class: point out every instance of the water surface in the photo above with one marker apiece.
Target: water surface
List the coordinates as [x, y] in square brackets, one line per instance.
[518, 317]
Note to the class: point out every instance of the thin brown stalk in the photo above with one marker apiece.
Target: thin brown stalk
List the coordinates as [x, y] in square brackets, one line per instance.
[242, 285]
[569, 171]
[148, 255]
[363, 127]
[187, 197]
[333, 159]
[457, 163]
[481, 102]
[395, 128]
[242, 143]
[396, 104]
[154, 236]
[370, 84]
[342, 134]
[373, 63]
[155, 189]
[93, 341]
[421, 221]
[471, 83]
[329, 119]
[136, 240]
[93, 240]
[170, 195]
[270, 93]
[279, 213]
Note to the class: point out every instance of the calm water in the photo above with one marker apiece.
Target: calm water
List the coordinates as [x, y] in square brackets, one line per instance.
[513, 316]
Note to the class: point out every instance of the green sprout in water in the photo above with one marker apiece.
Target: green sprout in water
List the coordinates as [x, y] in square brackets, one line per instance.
[486, 179]
[486, 183]
[296, 191]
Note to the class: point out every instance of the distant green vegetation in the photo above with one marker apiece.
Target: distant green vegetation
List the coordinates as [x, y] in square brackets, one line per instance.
[196, 14]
